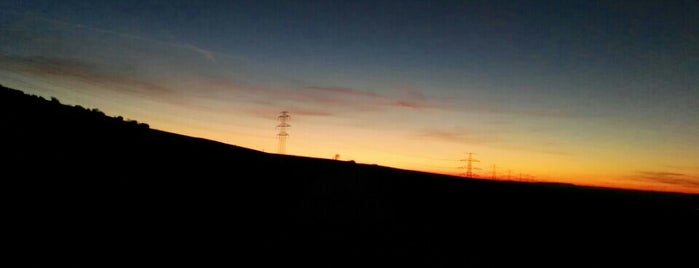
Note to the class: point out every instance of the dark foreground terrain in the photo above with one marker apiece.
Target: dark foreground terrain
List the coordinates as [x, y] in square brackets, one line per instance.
[87, 190]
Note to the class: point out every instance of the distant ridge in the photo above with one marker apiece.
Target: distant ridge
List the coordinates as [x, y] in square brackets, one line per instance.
[91, 190]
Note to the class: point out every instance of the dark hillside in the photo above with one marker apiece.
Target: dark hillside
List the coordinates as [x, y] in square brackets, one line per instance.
[89, 190]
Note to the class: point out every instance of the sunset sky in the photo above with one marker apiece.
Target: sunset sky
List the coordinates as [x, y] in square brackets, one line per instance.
[586, 92]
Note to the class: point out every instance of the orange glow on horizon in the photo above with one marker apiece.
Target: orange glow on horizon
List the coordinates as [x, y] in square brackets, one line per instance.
[597, 162]
[532, 169]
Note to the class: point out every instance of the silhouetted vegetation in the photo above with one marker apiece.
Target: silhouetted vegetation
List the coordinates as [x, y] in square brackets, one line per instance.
[50, 108]
[90, 190]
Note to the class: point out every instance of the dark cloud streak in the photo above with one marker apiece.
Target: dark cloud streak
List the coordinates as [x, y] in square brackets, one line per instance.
[81, 71]
[672, 178]
[458, 136]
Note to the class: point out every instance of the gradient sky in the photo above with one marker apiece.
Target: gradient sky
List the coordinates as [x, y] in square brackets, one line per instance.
[586, 92]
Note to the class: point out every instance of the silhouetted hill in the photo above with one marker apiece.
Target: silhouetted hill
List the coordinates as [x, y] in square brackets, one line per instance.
[89, 190]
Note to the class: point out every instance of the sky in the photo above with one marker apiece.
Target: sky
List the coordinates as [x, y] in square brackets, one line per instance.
[601, 93]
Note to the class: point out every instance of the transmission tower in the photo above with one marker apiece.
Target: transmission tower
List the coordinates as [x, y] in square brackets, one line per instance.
[283, 117]
[494, 174]
[469, 165]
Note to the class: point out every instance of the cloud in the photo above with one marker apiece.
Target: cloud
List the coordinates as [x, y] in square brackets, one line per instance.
[537, 148]
[270, 112]
[459, 136]
[541, 113]
[410, 97]
[203, 52]
[492, 139]
[343, 91]
[660, 174]
[481, 106]
[55, 38]
[345, 99]
[82, 71]
[219, 86]
[157, 67]
[407, 104]
[332, 98]
[313, 100]
[669, 178]
[311, 112]
[309, 101]
[495, 108]
[92, 55]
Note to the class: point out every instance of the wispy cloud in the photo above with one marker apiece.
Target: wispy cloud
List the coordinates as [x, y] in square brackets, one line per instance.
[203, 52]
[495, 108]
[343, 91]
[316, 100]
[309, 101]
[311, 112]
[411, 98]
[159, 66]
[541, 113]
[669, 178]
[654, 174]
[554, 150]
[334, 97]
[457, 136]
[188, 63]
[82, 71]
[494, 139]
[407, 104]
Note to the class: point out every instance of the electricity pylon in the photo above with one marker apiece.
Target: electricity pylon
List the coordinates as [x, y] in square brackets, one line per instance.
[469, 165]
[283, 117]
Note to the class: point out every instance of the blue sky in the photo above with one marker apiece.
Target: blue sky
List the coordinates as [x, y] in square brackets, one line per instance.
[589, 92]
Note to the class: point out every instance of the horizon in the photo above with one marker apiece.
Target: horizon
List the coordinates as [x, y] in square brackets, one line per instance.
[460, 175]
[590, 93]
